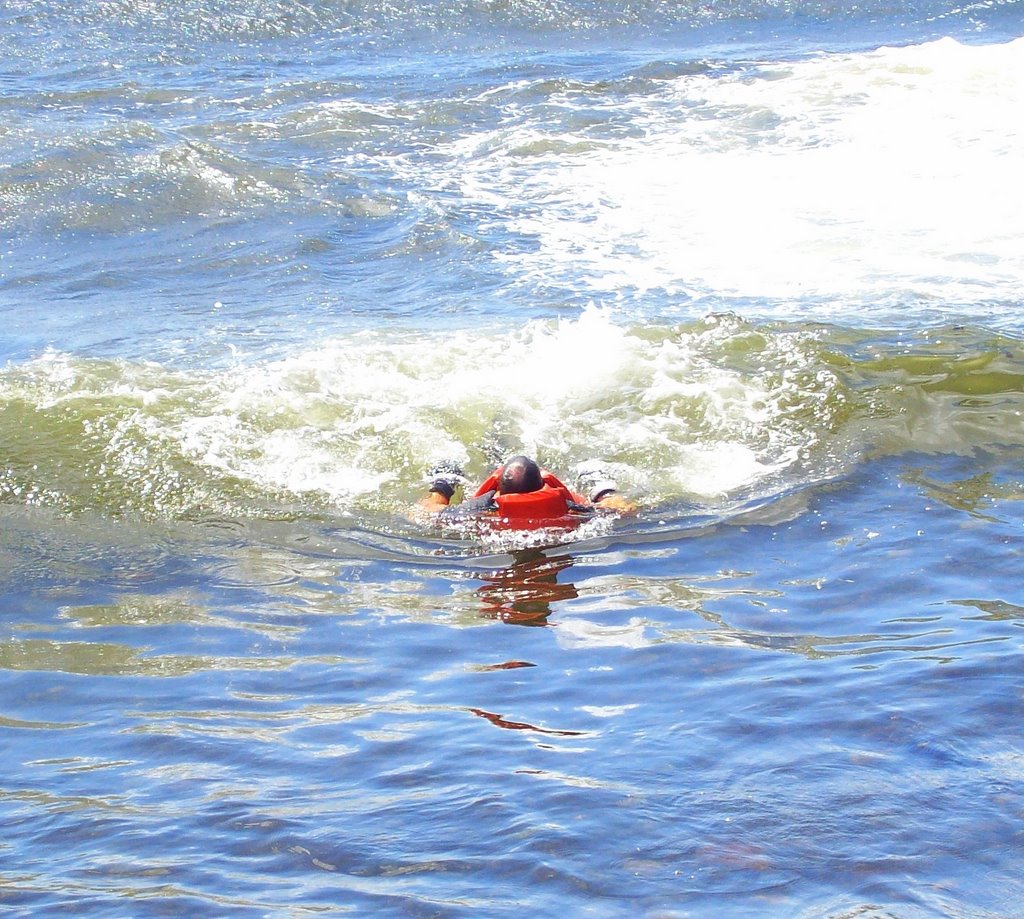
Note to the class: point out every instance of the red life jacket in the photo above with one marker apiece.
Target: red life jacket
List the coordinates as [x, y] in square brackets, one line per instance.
[552, 505]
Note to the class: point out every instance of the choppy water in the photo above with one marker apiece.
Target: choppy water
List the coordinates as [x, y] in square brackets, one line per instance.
[262, 264]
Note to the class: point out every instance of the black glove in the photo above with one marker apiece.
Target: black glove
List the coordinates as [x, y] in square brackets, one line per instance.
[445, 477]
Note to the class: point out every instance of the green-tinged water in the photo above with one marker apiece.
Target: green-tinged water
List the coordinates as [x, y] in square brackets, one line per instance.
[264, 264]
[688, 417]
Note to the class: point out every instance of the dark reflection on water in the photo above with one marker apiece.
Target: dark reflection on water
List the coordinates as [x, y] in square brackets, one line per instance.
[500, 722]
[814, 716]
[522, 593]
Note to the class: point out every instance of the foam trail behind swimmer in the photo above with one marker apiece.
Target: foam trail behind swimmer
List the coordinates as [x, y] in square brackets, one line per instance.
[663, 409]
[699, 411]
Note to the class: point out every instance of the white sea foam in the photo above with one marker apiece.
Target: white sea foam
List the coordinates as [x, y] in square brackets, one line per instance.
[698, 412]
[365, 416]
[851, 179]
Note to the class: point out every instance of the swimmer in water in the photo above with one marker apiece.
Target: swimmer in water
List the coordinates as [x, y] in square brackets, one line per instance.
[521, 494]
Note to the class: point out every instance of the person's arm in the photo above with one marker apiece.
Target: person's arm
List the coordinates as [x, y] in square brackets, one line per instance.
[471, 507]
[445, 478]
[602, 491]
[614, 501]
[433, 501]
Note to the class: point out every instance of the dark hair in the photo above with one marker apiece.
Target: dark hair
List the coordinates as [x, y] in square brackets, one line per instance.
[519, 475]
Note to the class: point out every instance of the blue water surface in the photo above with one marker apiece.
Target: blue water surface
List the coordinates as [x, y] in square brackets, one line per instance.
[261, 264]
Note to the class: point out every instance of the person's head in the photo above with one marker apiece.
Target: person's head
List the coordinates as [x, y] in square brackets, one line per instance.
[519, 475]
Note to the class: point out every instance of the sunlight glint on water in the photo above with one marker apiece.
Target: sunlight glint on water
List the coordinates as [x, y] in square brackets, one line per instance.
[263, 264]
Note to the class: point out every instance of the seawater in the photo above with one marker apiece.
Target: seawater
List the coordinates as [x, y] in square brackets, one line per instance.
[263, 264]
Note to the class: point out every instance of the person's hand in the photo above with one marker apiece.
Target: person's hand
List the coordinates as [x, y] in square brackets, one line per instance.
[445, 477]
[594, 482]
[601, 489]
